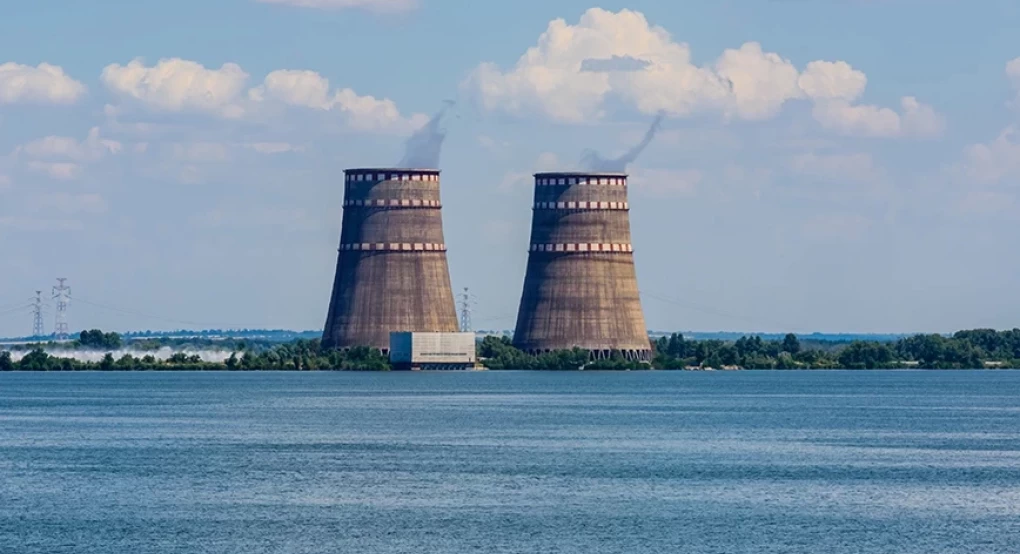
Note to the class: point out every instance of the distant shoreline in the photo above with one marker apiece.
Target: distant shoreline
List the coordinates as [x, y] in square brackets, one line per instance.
[95, 350]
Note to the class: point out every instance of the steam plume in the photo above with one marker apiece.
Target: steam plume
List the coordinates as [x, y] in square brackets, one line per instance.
[422, 148]
[207, 355]
[593, 161]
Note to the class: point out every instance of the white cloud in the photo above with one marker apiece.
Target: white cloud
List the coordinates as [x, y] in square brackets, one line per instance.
[64, 157]
[995, 161]
[848, 119]
[917, 119]
[1013, 72]
[921, 119]
[5, 182]
[64, 171]
[573, 70]
[760, 82]
[832, 81]
[309, 89]
[178, 85]
[382, 6]
[274, 147]
[42, 84]
[93, 148]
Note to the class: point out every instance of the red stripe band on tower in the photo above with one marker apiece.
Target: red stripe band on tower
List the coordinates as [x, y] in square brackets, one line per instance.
[393, 247]
[393, 203]
[377, 177]
[570, 181]
[582, 206]
[582, 247]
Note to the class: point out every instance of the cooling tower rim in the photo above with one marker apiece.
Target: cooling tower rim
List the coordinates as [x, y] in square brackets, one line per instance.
[580, 174]
[419, 170]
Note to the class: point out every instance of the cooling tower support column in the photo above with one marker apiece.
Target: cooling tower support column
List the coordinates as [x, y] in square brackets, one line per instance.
[391, 273]
[580, 289]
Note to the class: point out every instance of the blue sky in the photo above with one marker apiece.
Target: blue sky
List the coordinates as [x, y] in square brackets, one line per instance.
[848, 165]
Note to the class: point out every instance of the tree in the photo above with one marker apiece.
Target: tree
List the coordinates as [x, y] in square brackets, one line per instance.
[107, 363]
[6, 363]
[36, 360]
[791, 344]
[676, 347]
[99, 340]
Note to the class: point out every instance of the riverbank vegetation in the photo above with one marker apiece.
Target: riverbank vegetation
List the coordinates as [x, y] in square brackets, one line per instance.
[98, 351]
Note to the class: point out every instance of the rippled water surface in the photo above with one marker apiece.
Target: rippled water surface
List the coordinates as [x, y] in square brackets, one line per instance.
[735, 462]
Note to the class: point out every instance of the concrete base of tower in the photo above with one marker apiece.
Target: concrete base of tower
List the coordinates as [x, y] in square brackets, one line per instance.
[631, 355]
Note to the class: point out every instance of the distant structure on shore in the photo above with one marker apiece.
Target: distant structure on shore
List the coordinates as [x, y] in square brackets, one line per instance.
[580, 289]
[391, 273]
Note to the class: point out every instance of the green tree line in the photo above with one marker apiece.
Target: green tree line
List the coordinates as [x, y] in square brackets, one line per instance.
[963, 350]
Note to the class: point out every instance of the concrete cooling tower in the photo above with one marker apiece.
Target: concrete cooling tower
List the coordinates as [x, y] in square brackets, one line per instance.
[580, 289]
[391, 273]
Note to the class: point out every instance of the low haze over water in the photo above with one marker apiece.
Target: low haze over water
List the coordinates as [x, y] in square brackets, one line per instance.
[741, 462]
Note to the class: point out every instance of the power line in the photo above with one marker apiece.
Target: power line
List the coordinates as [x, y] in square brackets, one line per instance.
[37, 313]
[716, 312]
[62, 294]
[16, 309]
[151, 316]
[465, 311]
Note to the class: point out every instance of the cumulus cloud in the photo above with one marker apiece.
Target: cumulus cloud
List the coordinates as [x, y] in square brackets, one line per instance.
[63, 157]
[176, 85]
[916, 119]
[93, 148]
[614, 63]
[1013, 72]
[994, 161]
[574, 70]
[43, 84]
[823, 80]
[920, 119]
[64, 171]
[849, 119]
[382, 6]
[308, 89]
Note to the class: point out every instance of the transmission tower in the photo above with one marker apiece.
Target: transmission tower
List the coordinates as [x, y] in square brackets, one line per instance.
[37, 313]
[62, 294]
[464, 299]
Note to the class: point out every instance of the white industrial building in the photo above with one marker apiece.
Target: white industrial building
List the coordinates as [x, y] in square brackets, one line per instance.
[435, 351]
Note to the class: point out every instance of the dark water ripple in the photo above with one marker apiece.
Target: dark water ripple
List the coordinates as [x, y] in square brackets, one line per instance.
[743, 462]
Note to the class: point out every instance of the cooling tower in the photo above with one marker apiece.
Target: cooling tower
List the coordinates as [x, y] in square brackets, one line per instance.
[580, 289]
[391, 273]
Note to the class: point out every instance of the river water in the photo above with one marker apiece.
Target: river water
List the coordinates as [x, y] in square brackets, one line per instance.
[522, 462]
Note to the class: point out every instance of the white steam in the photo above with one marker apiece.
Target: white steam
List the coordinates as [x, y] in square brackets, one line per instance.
[593, 161]
[97, 355]
[422, 148]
